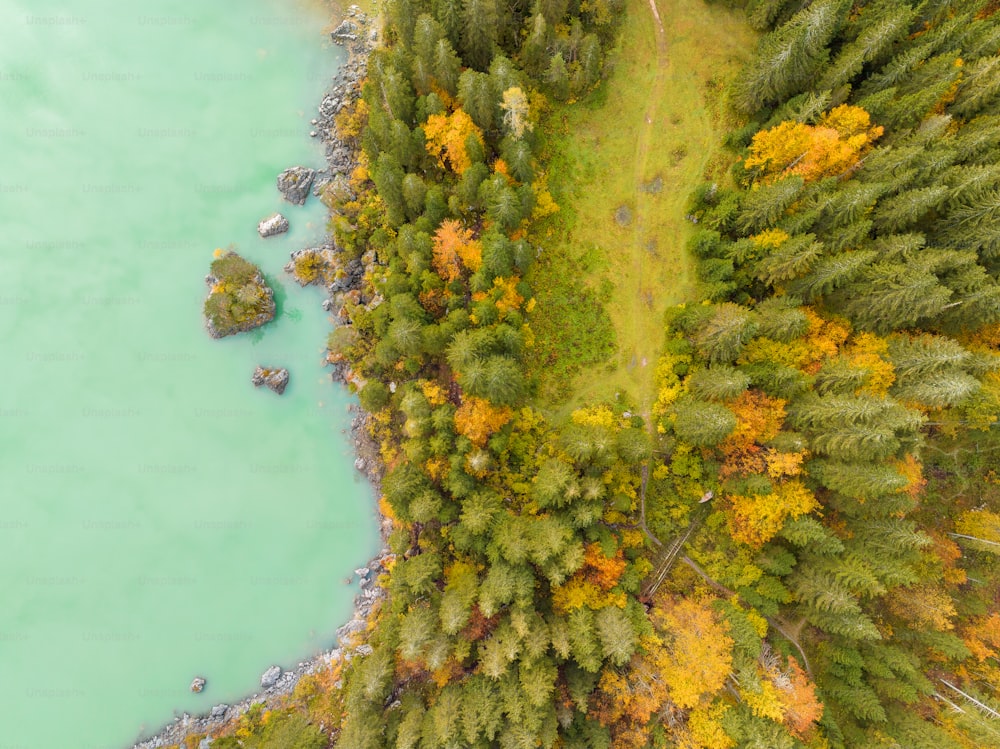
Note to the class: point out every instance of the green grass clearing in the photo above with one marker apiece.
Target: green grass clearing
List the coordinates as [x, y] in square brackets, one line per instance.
[637, 147]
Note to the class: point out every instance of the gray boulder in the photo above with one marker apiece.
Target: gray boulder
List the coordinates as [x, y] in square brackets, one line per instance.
[197, 684]
[294, 184]
[219, 711]
[347, 31]
[275, 379]
[274, 224]
[270, 677]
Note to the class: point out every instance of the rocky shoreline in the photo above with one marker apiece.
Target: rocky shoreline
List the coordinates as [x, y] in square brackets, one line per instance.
[359, 35]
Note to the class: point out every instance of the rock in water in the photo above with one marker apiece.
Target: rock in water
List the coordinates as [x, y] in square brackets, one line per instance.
[275, 224]
[346, 32]
[270, 677]
[294, 184]
[219, 711]
[197, 684]
[275, 379]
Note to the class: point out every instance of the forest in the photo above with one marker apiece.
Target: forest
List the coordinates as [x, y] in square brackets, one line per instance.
[797, 545]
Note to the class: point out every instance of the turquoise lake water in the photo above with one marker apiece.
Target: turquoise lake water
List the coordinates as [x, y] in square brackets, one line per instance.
[159, 517]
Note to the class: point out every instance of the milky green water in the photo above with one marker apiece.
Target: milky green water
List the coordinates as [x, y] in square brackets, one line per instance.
[159, 517]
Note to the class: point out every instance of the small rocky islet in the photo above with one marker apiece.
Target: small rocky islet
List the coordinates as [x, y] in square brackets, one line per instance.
[239, 298]
[276, 380]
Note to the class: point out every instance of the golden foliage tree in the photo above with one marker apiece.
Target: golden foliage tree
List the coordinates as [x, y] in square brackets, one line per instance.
[478, 419]
[446, 136]
[827, 149]
[454, 248]
[698, 655]
[756, 518]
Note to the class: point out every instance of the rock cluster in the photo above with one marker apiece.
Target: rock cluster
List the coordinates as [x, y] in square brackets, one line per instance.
[313, 265]
[275, 379]
[294, 183]
[273, 224]
[346, 283]
[348, 635]
[197, 684]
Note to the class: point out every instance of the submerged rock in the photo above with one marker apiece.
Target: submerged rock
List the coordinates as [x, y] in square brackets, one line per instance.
[197, 684]
[294, 183]
[270, 677]
[274, 224]
[275, 379]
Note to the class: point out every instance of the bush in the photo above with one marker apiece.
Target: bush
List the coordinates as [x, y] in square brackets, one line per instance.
[374, 396]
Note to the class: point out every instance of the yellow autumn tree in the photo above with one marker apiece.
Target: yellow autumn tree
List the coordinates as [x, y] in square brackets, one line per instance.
[829, 148]
[454, 248]
[756, 518]
[699, 650]
[869, 351]
[927, 606]
[446, 136]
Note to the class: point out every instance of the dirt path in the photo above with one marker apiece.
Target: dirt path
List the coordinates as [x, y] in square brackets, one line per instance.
[636, 159]
[646, 351]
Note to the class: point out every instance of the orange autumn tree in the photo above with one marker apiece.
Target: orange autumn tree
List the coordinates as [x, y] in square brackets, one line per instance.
[446, 138]
[593, 584]
[982, 636]
[454, 248]
[802, 708]
[759, 418]
[827, 149]
[478, 419]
